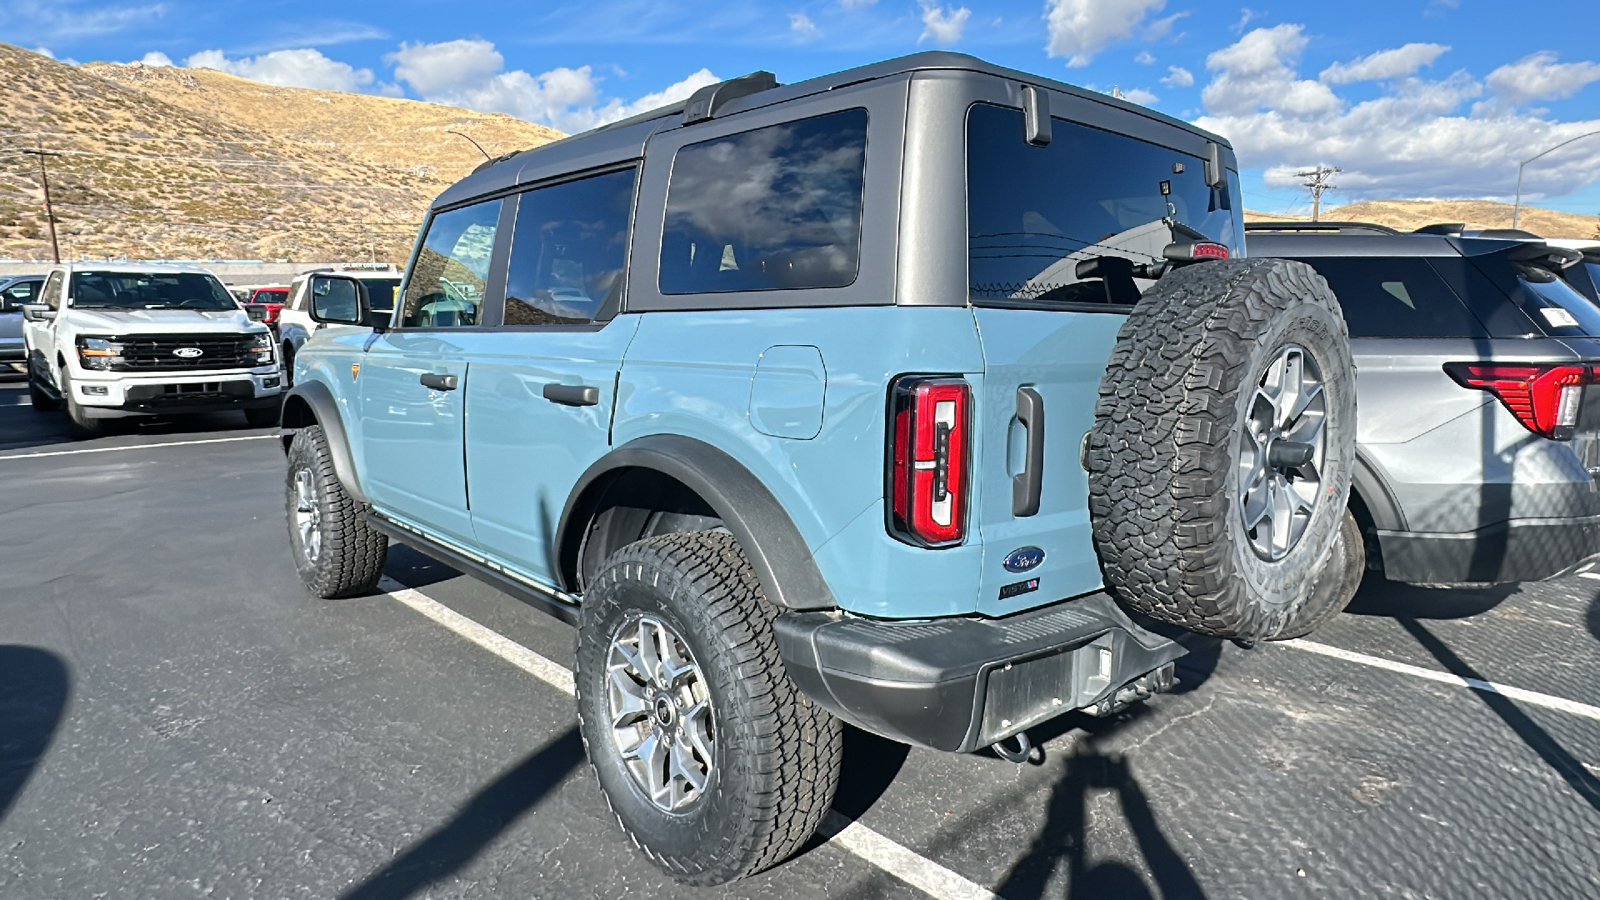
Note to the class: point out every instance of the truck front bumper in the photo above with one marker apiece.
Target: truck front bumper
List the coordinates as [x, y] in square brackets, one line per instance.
[114, 398]
[961, 684]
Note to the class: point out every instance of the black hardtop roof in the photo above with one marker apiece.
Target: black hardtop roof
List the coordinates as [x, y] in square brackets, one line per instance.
[625, 140]
[1355, 242]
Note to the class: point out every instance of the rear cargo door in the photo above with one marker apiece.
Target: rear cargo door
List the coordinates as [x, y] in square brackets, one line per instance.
[1041, 376]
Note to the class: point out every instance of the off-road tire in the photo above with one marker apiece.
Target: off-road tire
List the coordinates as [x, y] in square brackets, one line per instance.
[42, 401]
[777, 754]
[1337, 586]
[350, 558]
[288, 364]
[82, 426]
[1163, 455]
[262, 418]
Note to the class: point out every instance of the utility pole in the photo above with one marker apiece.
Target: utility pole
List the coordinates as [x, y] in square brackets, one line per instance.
[1318, 182]
[49, 213]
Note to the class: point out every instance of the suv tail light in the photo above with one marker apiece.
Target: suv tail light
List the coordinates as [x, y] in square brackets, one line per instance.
[929, 420]
[1544, 397]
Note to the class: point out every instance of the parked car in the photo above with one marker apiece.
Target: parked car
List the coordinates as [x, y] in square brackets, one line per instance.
[263, 303]
[926, 396]
[111, 340]
[1479, 437]
[16, 291]
[294, 321]
[1582, 273]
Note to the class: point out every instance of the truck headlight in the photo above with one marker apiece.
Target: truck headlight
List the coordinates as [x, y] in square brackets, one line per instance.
[98, 353]
[261, 349]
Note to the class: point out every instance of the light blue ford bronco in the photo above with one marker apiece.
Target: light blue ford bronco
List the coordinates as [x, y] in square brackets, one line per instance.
[931, 397]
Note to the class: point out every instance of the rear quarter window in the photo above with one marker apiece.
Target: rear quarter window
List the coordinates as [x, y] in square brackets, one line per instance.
[1395, 297]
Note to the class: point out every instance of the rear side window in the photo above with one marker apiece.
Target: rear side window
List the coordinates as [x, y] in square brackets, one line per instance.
[776, 208]
[1396, 297]
[451, 273]
[1560, 310]
[568, 250]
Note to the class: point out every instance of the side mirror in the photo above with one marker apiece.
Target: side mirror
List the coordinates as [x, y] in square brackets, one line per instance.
[37, 312]
[336, 300]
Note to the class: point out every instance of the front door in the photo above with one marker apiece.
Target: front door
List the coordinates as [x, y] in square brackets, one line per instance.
[413, 378]
[544, 382]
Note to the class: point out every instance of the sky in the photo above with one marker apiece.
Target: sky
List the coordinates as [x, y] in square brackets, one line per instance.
[1410, 98]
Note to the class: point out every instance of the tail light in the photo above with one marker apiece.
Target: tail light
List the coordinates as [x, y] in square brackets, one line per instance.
[929, 421]
[1544, 398]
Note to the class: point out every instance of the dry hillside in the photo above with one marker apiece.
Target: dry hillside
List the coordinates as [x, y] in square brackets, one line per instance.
[191, 163]
[1409, 215]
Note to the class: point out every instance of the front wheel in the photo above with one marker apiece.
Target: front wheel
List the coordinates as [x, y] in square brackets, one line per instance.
[42, 401]
[713, 762]
[83, 426]
[336, 553]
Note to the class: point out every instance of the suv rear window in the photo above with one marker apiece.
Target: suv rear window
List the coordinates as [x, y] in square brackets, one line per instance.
[776, 208]
[1034, 213]
[1396, 297]
[1560, 310]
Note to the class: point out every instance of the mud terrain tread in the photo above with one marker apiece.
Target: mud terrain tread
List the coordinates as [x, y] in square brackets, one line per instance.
[1159, 452]
[353, 554]
[793, 747]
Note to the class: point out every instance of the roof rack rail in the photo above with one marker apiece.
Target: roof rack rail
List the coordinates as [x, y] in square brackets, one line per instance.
[1452, 229]
[1331, 227]
[705, 103]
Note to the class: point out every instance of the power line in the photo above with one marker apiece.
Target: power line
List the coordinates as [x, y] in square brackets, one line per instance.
[1318, 183]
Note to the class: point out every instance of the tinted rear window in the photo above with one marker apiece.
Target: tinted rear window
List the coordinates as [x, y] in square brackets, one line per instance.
[1395, 297]
[776, 208]
[1560, 310]
[1034, 213]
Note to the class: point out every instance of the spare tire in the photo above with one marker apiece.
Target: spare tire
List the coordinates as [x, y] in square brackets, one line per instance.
[1224, 436]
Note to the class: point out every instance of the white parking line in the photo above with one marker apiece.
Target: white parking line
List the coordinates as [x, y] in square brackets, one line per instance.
[248, 437]
[897, 860]
[1594, 575]
[1532, 698]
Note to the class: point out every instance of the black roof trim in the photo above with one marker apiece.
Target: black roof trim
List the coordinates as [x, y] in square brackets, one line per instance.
[1324, 227]
[1445, 228]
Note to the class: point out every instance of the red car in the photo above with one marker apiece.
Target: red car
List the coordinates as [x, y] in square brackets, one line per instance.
[265, 303]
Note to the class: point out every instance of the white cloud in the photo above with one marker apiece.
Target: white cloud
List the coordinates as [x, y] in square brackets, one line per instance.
[1139, 96]
[1162, 27]
[1246, 15]
[856, 4]
[1178, 76]
[942, 25]
[304, 68]
[1081, 28]
[156, 59]
[64, 20]
[44, 51]
[1144, 58]
[1540, 77]
[1255, 72]
[1418, 138]
[1396, 63]
[469, 73]
[803, 27]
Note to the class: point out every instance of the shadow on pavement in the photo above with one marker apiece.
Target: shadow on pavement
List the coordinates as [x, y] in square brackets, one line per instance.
[491, 811]
[1379, 597]
[33, 700]
[414, 570]
[1064, 836]
[1556, 756]
[870, 766]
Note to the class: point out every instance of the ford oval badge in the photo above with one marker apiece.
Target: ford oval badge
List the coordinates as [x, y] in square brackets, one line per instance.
[1023, 559]
[188, 352]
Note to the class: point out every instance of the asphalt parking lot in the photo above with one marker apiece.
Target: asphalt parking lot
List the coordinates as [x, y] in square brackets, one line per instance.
[179, 719]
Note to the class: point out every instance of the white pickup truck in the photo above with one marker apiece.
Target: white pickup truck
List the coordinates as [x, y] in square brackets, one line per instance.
[109, 340]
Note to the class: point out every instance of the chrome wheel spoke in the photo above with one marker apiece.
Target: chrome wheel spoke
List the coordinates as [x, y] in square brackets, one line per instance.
[1281, 453]
[661, 716]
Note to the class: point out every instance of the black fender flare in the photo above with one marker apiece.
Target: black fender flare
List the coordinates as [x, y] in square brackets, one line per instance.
[777, 552]
[312, 403]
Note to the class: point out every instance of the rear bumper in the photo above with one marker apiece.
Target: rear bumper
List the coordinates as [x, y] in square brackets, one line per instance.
[962, 684]
[1516, 550]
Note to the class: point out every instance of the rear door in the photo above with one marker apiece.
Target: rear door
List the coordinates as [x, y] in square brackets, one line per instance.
[543, 383]
[1054, 234]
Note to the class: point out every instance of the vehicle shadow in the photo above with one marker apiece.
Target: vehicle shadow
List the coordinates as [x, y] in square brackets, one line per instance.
[1389, 599]
[1536, 738]
[480, 820]
[24, 428]
[1594, 617]
[34, 689]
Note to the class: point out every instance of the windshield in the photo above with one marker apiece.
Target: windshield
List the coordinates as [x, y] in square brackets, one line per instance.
[149, 290]
[1039, 218]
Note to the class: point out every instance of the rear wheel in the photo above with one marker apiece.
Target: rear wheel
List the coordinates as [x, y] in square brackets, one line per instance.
[335, 552]
[1337, 586]
[713, 762]
[1220, 459]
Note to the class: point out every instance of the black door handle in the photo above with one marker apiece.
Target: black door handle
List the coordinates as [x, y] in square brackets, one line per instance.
[440, 382]
[572, 394]
[1027, 486]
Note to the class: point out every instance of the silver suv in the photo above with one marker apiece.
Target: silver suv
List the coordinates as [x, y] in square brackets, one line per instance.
[1478, 440]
